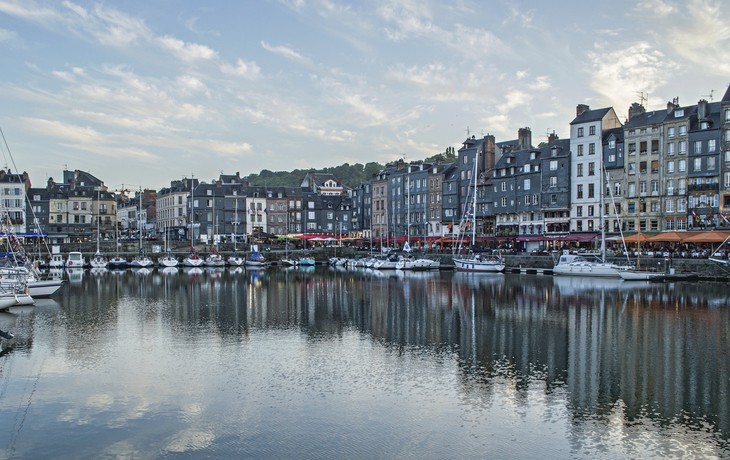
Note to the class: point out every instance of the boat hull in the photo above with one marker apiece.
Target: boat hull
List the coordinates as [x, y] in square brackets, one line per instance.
[480, 266]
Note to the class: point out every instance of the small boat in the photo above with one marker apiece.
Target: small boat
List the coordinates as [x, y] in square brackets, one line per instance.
[75, 260]
[480, 264]
[168, 261]
[141, 261]
[56, 261]
[256, 260]
[215, 260]
[193, 260]
[638, 274]
[235, 260]
[98, 261]
[585, 265]
[117, 263]
[288, 262]
[306, 261]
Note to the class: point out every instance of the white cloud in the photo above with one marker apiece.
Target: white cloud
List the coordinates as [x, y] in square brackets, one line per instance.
[244, 69]
[7, 35]
[284, 51]
[514, 98]
[541, 83]
[186, 51]
[619, 74]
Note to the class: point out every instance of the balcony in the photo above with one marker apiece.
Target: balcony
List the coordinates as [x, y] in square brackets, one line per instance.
[703, 187]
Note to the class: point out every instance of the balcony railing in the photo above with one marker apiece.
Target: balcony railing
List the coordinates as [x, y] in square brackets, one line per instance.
[703, 187]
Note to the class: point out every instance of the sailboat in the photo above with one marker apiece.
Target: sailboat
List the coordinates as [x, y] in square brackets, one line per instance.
[98, 261]
[141, 261]
[193, 260]
[235, 260]
[476, 263]
[168, 260]
[117, 261]
[214, 259]
[587, 265]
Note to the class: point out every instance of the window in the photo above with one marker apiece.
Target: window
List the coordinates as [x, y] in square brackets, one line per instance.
[711, 145]
[504, 186]
[642, 147]
[704, 125]
[504, 202]
[669, 205]
[642, 167]
[670, 132]
[670, 148]
[683, 130]
[612, 144]
[642, 187]
[591, 190]
[580, 132]
[526, 185]
[580, 170]
[579, 211]
[310, 215]
[655, 166]
[617, 188]
[632, 189]
[698, 147]
[710, 163]
[553, 181]
[654, 146]
[670, 167]
[654, 206]
[632, 168]
[580, 150]
[654, 187]
[591, 149]
[553, 198]
[632, 148]
[682, 147]
[591, 169]
[592, 130]
[612, 158]
[678, 113]
[590, 211]
[579, 192]
[697, 166]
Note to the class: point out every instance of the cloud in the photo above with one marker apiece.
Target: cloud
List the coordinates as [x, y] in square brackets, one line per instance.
[186, 51]
[244, 69]
[540, 84]
[7, 35]
[619, 74]
[514, 98]
[29, 10]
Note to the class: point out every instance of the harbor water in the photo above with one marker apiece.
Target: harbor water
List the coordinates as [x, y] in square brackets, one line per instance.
[319, 363]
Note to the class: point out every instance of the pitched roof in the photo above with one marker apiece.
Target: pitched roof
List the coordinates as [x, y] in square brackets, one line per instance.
[590, 115]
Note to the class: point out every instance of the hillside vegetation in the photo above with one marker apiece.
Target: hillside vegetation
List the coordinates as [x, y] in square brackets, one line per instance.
[351, 175]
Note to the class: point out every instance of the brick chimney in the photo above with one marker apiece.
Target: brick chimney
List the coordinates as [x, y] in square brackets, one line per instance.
[490, 149]
[635, 110]
[672, 105]
[524, 138]
[702, 109]
[581, 108]
[552, 138]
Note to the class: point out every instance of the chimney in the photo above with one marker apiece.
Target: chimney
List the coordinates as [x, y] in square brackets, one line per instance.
[50, 184]
[672, 105]
[490, 149]
[400, 165]
[702, 109]
[524, 138]
[635, 110]
[552, 138]
[581, 108]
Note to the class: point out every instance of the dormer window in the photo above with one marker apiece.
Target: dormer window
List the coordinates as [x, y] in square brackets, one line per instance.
[532, 155]
[704, 125]
[209, 192]
[678, 113]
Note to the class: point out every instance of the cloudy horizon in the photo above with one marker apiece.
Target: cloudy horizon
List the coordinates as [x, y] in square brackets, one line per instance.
[141, 93]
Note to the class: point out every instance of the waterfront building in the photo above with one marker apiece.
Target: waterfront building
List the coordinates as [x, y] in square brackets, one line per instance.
[278, 212]
[13, 188]
[450, 203]
[556, 186]
[674, 172]
[256, 223]
[436, 174]
[586, 134]
[645, 139]
[703, 166]
[724, 219]
[380, 220]
[616, 179]
[295, 199]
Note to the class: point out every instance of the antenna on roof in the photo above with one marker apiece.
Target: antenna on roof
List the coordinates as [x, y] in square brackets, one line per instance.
[468, 133]
[643, 98]
[709, 95]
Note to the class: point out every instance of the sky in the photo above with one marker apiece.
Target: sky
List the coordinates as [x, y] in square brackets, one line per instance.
[140, 93]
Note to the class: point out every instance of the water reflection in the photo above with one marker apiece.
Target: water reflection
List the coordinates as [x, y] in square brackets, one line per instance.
[625, 368]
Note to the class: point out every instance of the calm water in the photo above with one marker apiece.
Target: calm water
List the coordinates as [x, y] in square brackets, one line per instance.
[360, 364]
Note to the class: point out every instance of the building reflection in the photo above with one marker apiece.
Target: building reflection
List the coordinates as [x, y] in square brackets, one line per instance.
[607, 343]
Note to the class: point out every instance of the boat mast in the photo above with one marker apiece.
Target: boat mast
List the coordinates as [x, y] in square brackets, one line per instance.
[98, 198]
[408, 209]
[474, 204]
[602, 208]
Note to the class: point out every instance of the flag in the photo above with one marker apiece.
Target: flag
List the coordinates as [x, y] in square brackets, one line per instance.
[725, 218]
[407, 247]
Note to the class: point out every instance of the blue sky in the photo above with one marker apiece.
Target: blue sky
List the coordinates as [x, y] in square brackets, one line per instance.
[143, 92]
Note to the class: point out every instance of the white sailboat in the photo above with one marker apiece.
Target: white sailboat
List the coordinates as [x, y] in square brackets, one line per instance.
[476, 263]
[98, 261]
[168, 260]
[235, 260]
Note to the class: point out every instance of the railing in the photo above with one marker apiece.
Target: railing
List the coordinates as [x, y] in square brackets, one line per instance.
[703, 187]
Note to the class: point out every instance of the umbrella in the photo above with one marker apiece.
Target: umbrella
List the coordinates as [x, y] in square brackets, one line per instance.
[708, 237]
[635, 238]
[668, 237]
